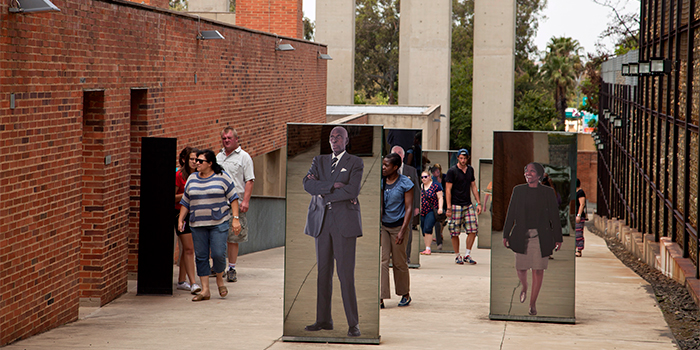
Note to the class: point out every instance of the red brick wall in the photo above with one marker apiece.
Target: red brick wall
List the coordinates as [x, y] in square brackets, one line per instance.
[587, 172]
[88, 83]
[283, 17]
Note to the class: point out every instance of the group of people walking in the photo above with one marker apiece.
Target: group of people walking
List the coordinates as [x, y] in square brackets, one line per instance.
[212, 196]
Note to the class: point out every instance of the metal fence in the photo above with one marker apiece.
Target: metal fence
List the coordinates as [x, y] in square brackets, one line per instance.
[648, 161]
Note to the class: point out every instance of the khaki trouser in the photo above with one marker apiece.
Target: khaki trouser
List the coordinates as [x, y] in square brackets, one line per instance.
[397, 252]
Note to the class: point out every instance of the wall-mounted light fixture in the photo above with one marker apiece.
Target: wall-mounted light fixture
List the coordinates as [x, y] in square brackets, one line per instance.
[207, 34]
[625, 69]
[644, 68]
[618, 122]
[601, 146]
[660, 66]
[26, 6]
[282, 47]
[210, 35]
[324, 56]
[634, 68]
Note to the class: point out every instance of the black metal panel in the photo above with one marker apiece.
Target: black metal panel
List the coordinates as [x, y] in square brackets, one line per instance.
[156, 218]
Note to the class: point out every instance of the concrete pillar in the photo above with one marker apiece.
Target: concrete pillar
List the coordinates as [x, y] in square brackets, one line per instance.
[335, 26]
[425, 56]
[494, 73]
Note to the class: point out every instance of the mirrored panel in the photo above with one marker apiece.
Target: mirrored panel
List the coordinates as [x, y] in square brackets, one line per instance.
[438, 162]
[409, 141]
[332, 233]
[530, 279]
[486, 192]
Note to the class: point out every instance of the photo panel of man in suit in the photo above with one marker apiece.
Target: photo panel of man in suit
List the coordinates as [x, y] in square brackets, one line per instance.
[337, 175]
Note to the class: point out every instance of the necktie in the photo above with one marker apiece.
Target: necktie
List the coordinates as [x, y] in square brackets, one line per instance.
[335, 162]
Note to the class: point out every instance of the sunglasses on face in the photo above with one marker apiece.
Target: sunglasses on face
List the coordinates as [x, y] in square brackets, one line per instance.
[425, 177]
[200, 161]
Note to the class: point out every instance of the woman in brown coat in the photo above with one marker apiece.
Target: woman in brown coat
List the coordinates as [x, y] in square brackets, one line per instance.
[532, 230]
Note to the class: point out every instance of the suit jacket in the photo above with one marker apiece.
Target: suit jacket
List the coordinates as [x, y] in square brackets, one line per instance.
[344, 212]
[548, 223]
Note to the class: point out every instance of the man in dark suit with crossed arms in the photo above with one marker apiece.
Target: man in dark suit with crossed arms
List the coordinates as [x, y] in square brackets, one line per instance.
[335, 222]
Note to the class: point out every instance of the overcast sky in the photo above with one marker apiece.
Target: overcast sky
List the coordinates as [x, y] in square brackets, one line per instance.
[582, 20]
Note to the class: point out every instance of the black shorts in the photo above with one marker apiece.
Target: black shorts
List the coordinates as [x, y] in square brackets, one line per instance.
[187, 224]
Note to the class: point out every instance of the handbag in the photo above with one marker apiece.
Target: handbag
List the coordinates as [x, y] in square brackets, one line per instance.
[439, 217]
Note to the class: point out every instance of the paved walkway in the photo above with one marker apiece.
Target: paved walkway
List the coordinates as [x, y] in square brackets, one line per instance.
[615, 309]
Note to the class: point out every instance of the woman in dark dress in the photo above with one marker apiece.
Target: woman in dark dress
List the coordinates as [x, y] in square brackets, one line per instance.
[532, 230]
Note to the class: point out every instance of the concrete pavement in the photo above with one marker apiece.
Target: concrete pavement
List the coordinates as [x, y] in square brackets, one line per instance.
[615, 309]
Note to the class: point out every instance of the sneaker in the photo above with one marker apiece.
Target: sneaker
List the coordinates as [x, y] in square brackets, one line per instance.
[468, 259]
[458, 260]
[183, 285]
[195, 289]
[231, 275]
[405, 301]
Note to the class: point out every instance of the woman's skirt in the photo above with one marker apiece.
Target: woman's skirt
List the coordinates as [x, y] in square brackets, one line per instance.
[532, 259]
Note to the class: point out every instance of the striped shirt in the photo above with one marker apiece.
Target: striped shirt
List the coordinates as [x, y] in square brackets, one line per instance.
[209, 199]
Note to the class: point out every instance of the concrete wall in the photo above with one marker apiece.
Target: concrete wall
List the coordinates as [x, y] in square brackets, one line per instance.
[266, 220]
[88, 82]
[425, 57]
[335, 26]
[494, 73]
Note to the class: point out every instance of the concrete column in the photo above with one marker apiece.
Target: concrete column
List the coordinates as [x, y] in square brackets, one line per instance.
[335, 26]
[494, 73]
[425, 57]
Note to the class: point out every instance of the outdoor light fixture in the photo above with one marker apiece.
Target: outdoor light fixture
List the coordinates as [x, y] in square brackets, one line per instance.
[283, 47]
[601, 146]
[607, 114]
[625, 69]
[324, 56]
[644, 68]
[634, 68]
[26, 6]
[660, 66]
[210, 35]
[618, 123]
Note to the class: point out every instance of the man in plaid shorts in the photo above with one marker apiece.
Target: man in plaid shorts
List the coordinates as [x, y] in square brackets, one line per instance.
[460, 211]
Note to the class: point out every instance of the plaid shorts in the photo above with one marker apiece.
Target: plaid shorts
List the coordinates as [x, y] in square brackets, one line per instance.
[463, 219]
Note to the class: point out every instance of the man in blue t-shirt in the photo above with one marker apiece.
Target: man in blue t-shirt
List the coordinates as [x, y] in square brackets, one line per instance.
[460, 211]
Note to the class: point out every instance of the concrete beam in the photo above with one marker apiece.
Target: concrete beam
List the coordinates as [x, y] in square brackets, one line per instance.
[425, 57]
[335, 26]
[494, 73]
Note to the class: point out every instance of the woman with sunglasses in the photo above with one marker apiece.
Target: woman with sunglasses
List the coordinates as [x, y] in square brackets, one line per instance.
[430, 202]
[188, 166]
[210, 200]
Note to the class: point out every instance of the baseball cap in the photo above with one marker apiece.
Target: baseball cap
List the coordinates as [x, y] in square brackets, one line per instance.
[463, 151]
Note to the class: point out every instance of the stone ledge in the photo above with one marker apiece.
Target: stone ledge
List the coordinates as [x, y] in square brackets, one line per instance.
[665, 255]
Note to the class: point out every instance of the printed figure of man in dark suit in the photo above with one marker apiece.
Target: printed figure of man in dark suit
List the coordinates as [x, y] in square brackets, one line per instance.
[335, 222]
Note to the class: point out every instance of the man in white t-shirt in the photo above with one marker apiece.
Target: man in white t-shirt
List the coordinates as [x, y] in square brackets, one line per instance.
[239, 165]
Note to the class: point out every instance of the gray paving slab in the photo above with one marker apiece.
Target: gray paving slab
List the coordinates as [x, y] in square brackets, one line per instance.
[615, 309]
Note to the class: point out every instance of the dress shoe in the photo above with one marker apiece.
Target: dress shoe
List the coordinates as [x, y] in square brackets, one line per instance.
[319, 326]
[354, 331]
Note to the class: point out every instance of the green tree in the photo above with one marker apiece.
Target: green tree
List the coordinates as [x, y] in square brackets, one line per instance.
[461, 104]
[377, 48]
[178, 5]
[560, 69]
[590, 87]
[309, 29]
[535, 111]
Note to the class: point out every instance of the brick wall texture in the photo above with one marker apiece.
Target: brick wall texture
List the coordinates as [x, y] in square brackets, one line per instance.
[88, 82]
[587, 172]
[283, 17]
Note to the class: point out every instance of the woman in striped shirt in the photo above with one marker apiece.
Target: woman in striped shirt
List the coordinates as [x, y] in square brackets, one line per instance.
[211, 201]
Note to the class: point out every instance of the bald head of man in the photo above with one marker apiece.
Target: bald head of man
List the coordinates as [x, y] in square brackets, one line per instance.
[338, 139]
[398, 150]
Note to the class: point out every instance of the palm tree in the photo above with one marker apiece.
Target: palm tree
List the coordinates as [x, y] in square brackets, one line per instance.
[561, 67]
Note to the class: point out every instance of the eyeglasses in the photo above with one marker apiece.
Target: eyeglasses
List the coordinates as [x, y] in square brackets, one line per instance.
[200, 161]
[425, 177]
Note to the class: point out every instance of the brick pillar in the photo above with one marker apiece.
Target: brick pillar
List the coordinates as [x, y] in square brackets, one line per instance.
[282, 17]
